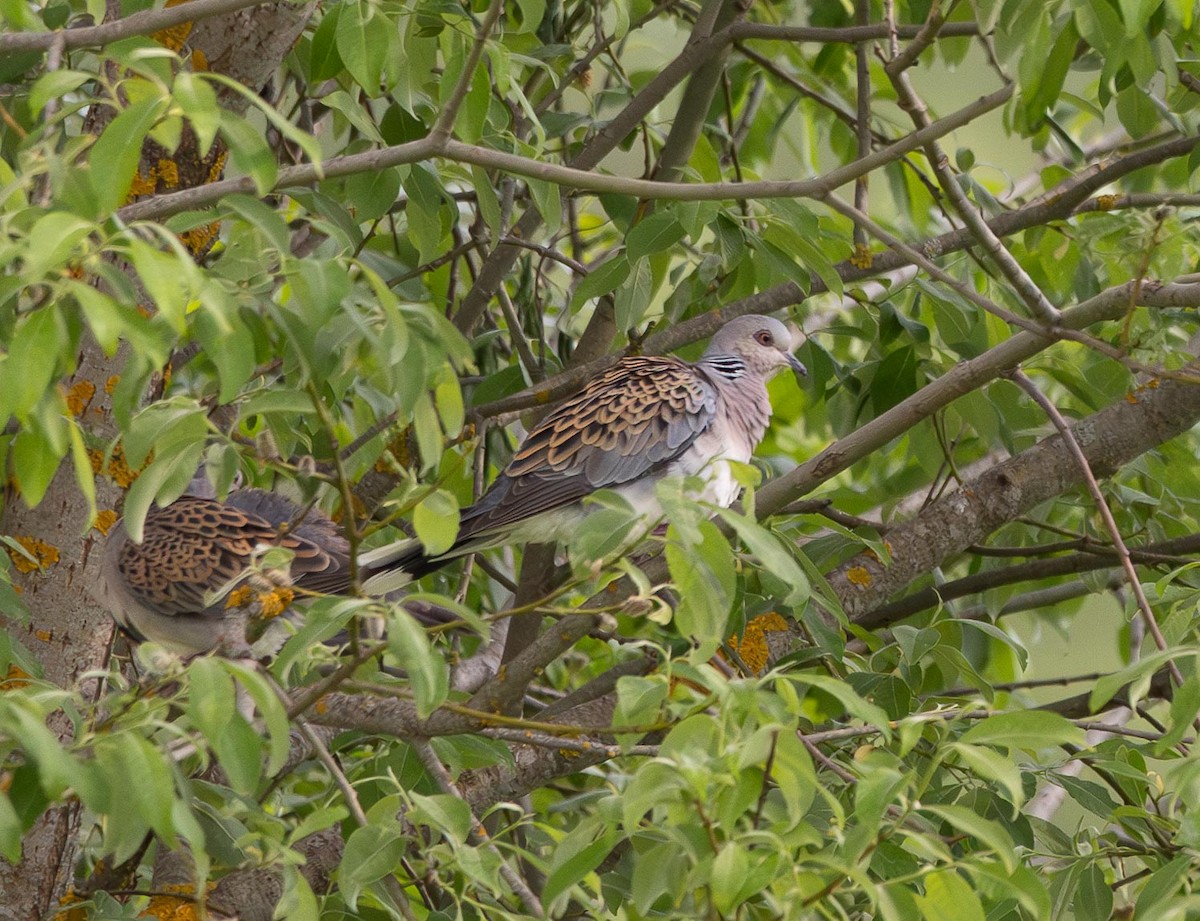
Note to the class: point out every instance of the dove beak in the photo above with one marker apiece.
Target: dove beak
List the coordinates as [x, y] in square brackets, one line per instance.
[797, 366]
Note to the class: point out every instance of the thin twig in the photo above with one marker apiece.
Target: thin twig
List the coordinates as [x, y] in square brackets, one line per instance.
[350, 798]
[444, 126]
[478, 834]
[1106, 515]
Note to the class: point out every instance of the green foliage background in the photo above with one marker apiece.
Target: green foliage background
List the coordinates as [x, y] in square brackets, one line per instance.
[432, 218]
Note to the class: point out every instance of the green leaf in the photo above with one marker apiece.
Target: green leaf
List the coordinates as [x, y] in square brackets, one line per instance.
[1030, 729]
[363, 43]
[633, 296]
[844, 695]
[1137, 676]
[639, 700]
[54, 85]
[371, 194]
[704, 575]
[228, 343]
[729, 871]
[948, 897]
[52, 242]
[435, 520]
[35, 454]
[212, 706]
[772, 554]
[1137, 111]
[657, 232]
[372, 852]
[114, 157]
[1088, 794]
[324, 62]
[548, 198]
[164, 277]
[991, 765]
[196, 97]
[1093, 895]
[10, 831]
[270, 711]
[249, 151]
[603, 279]
[532, 12]
[450, 815]
[32, 361]
[428, 674]
[1162, 884]
[990, 834]
[424, 210]
[576, 855]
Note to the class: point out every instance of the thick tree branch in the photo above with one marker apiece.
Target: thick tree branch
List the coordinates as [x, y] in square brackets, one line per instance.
[1068, 564]
[1109, 439]
[961, 379]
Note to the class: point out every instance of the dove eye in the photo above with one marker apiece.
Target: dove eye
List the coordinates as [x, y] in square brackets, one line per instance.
[764, 337]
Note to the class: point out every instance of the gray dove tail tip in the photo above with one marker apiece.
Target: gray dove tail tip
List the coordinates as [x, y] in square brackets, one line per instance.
[394, 566]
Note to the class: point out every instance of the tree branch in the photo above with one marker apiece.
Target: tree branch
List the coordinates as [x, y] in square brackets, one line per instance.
[1109, 438]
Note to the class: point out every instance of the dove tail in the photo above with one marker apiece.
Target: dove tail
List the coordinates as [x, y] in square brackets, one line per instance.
[393, 566]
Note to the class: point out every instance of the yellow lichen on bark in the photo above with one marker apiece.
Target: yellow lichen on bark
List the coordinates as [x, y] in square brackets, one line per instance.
[118, 470]
[105, 519]
[170, 907]
[752, 647]
[79, 397]
[44, 555]
[858, 575]
[861, 258]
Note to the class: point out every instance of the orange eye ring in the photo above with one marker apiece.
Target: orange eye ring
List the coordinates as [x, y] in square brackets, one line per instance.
[764, 337]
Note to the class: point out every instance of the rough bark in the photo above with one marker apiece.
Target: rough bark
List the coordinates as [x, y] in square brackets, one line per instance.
[1109, 439]
[71, 634]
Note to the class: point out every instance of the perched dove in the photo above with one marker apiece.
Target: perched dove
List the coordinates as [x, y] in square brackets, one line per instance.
[645, 418]
[174, 587]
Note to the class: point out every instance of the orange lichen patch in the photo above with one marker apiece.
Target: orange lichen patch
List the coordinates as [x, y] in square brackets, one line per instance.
[239, 597]
[79, 397]
[752, 647]
[861, 258]
[1151, 384]
[71, 914]
[198, 239]
[276, 602]
[168, 173]
[169, 907]
[173, 37]
[321, 707]
[118, 469]
[16, 677]
[46, 636]
[105, 519]
[111, 384]
[44, 555]
[1106, 202]
[858, 575]
[142, 185]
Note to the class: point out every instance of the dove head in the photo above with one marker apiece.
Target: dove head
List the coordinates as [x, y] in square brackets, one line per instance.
[763, 343]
